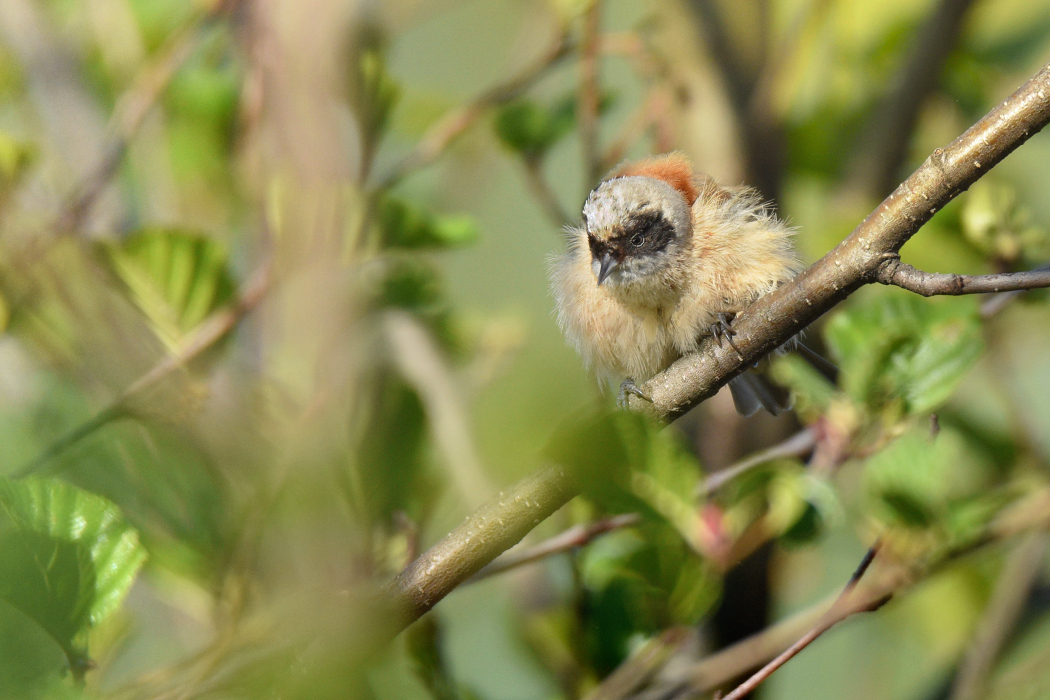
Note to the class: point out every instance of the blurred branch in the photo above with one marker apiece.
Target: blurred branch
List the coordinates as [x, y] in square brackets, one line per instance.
[1019, 574]
[131, 110]
[928, 284]
[572, 538]
[760, 328]
[546, 197]
[422, 364]
[795, 446]
[209, 332]
[452, 125]
[884, 146]
[639, 667]
[845, 606]
[590, 92]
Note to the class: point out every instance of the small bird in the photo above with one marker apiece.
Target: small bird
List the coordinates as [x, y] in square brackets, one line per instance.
[664, 258]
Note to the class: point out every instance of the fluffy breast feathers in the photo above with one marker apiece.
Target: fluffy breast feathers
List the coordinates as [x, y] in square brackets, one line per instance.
[736, 251]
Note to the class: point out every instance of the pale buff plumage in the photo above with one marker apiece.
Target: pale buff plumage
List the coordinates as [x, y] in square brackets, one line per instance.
[730, 250]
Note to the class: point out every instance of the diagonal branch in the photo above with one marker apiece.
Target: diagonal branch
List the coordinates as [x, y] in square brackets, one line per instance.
[776, 317]
[843, 607]
[572, 538]
[457, 121]
[889, 133]
[894, 272]
[209, 332]
[765, 325]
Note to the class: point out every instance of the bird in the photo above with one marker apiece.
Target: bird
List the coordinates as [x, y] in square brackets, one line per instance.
[664, 258]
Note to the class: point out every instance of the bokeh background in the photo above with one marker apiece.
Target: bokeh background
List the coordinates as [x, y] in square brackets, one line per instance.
[275, 311]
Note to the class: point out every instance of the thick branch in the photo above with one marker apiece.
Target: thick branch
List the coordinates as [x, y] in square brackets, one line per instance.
[778, 316]
[928, 284]
[494, 528]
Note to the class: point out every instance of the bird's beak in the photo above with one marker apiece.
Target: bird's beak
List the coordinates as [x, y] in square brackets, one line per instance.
[607, 265]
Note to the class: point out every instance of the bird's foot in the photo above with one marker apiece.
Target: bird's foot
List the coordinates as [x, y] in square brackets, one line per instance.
[722, 330]
[627, 388]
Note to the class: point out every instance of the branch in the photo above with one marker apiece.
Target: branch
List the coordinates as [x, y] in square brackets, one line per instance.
[891, 127]
[778, 316]
[494, 528]
[572, 538]
[210, 331]
[452, 125]
[843, 607]
[545, 195]
[1019, 574]
[795, 446]
[422, 364]
[762, 327]
[928, 284]
[131, 110]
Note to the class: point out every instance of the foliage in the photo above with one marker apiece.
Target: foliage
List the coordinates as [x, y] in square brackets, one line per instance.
[254, 468]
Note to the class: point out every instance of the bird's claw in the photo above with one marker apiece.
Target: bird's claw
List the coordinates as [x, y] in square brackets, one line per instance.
[721, 329]
[627, 388]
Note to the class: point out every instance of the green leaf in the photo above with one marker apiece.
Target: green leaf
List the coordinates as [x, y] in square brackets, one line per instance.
[176, 278]
[900, 348]
[628, 463]
[374, 93]
[811, 390]
[67, 558]
[15, 158]
[406, 226]
[531, 129]
[918, 481]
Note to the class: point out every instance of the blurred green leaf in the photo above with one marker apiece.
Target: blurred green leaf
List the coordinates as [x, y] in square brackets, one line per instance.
[406, 226]
[531, 128]
[994, 222]
[898, 347]
[628, 463]
[638, 582]
[15, 158]
[810, 389]
[922, 482]
[68, 558]
[375, 93]
[175, 277]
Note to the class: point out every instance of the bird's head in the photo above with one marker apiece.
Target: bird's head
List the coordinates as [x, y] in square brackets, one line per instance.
[634, 226]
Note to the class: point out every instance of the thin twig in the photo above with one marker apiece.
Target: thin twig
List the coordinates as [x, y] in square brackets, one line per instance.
[590, 93]
[640, 666]
[545, 196]
[842, 608]
[423, 365]
[572, 538]
[130, 112]
[797, 445]
[1012, 588]
[928, 284]
[452, 125]
[210, 331]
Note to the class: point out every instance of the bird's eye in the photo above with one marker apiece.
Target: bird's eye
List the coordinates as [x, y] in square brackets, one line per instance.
[638, 240]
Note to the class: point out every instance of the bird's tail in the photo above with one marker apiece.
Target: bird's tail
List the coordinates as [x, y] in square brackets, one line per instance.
[752, 391]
